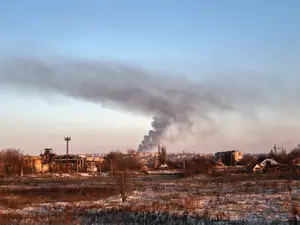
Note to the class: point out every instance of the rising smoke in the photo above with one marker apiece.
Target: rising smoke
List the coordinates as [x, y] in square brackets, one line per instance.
[150, 141]
[173, 100]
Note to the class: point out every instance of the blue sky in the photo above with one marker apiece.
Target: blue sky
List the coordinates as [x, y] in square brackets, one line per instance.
[192, 37]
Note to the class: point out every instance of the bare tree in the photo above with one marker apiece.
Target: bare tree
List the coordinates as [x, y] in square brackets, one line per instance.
[123, 178]
[199, 165]
[282, 156]
[11, 162]
[295, 153]
[162, 155]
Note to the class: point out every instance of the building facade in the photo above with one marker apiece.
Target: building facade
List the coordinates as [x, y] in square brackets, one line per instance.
[229, 158]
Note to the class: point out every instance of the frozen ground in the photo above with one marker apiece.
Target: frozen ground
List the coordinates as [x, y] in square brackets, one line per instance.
[253, 201]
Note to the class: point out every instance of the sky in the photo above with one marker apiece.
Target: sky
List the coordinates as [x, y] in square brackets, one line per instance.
[199, 39]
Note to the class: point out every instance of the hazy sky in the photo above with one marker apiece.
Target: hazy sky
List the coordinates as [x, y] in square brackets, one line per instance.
[203, 40]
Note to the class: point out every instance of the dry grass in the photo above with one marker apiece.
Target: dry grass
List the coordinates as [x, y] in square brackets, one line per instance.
[212, 198]
[18, 198]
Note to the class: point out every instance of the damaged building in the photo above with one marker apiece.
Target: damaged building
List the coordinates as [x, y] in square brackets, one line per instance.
[229, 158]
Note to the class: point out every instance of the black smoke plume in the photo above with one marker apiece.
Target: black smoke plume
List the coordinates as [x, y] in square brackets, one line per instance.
[171, 99]
[151, 141]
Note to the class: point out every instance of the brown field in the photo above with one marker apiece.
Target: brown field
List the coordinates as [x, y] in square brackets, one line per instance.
[247, 199]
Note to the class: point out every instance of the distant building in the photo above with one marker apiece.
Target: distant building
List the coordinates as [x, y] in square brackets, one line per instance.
[34, 164]
[270, 165]
[229, 158]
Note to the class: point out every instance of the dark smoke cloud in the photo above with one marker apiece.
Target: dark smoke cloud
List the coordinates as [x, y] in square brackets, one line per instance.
[171, 99]
[150, 141]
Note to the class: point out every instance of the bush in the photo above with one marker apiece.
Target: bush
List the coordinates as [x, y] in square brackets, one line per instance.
[197, 166]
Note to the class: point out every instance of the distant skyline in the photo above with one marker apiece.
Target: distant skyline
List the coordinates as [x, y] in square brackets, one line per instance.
[203, 40]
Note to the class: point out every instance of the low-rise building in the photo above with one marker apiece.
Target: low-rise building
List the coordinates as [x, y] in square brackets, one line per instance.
[34, 164]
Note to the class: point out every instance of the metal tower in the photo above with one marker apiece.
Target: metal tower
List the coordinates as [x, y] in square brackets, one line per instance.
[67, 139]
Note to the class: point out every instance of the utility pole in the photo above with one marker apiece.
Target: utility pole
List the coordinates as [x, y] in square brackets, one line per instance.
[77, 165]
[67, 139]
[22, 165]
[111, 167]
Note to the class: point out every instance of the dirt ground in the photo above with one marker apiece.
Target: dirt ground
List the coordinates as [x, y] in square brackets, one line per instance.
[252, 199]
